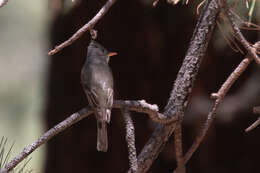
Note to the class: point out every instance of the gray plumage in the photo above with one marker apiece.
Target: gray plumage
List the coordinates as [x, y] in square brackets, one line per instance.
[97, 82]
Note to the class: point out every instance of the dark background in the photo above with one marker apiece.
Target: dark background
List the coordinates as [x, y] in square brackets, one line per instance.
[151, 44]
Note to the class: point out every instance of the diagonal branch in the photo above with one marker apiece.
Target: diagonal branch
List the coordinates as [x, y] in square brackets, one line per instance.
[85, 28]
[231, 79]
[139, 106]
[74, 118]
[183, 84]
[254, 125]
[143, 107]
[239, 36]
[203, 132]
[219, 96]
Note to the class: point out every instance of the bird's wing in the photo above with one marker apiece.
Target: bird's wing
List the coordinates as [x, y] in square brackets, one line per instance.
[110, 98]
[108, 103]
[92, 98]
[109, 93]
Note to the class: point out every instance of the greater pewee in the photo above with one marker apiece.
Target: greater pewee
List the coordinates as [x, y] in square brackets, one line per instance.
[97, 82]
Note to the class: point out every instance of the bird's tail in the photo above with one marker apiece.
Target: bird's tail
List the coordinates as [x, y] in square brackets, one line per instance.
[102, 142]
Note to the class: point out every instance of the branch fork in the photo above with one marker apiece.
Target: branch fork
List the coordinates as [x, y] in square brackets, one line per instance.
[138, 106]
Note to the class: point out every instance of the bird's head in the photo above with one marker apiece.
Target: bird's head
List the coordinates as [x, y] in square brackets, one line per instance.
[96, 50]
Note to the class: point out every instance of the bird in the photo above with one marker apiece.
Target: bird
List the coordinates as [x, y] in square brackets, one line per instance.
[97, 82]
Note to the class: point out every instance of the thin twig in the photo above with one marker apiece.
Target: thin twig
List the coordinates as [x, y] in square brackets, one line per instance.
[234, 75]
[85, 28]
[230, 41]
[130, 139]
[256, 110]
[178, 149]
[3, 2]
[239, 36]
[233, 38]
[202, 134]
[232, 78]
[219, 97]
[254, 125]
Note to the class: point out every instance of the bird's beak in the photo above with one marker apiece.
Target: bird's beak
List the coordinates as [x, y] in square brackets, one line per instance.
[112, 54]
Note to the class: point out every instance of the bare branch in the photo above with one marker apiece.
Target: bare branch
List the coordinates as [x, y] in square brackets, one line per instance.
[130, 139]
[256, 110]
[183, 84]
[178, 149]
[234, 75]
[143, 107]
[254, 125]
[3, 2]
[72, 119]
[231, 79]
[139, 106]
[85, 28]
[219, 97]
[202, 134]
[239, 36]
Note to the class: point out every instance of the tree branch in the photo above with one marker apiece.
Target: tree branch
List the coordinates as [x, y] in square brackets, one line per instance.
[256, 110]
[183, 84]
[130, 140]
[219, 97]
[247, 94]
[239, 36]
[178, 149]
[231, 79]
[74, 118]
[254, 125]
[85, 28]
[139, 106]
[203, 132]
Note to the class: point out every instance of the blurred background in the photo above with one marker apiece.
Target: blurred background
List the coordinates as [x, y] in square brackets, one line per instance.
[23, 67]
[38, 91]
